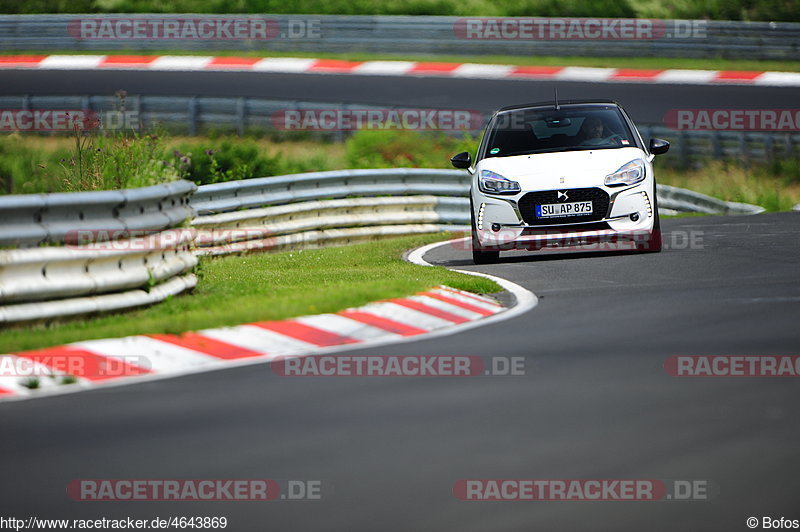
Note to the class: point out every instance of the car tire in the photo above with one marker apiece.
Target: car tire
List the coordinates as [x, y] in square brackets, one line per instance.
[653, 242]
[480, 255]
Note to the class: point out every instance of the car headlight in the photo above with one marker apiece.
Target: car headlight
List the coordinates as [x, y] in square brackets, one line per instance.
[493, 183]
[628, 174]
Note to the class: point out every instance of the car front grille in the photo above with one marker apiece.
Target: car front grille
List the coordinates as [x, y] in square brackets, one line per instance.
[598, 197]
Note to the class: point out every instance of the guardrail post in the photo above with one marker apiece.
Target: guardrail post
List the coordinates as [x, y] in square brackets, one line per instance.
[683, 149]
[744, 149]
[240, 116]
[769, 148]
[339, 134]
[192, 125]
[137, 106]
[716, 148]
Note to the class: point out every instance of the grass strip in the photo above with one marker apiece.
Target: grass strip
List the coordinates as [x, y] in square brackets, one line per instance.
[271, 286]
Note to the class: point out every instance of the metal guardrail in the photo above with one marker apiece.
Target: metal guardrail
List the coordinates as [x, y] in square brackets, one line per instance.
[118, 270]
[96, 304]
[315, 223]
[277, 190]
[409, 34]
[46, 282]
[324, 208]
[38, 274]
[690, 147]
[193, 115]
[32, 219]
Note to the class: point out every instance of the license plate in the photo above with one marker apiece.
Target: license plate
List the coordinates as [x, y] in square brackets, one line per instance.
[576, 208]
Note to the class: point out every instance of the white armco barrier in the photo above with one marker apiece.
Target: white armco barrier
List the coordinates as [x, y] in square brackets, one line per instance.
[93, 304]
[317, 223]
[63, 276]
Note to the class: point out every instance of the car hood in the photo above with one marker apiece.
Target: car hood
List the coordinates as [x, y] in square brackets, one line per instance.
[571, 169]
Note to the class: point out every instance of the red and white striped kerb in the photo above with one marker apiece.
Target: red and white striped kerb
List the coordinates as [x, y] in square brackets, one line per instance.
[296, 65]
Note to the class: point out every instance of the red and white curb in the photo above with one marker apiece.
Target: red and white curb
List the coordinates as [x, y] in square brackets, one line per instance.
[296, 65]
[442, 310]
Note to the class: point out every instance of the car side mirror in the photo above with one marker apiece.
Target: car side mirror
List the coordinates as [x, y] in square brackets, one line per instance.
[658, 146]
[461, 160]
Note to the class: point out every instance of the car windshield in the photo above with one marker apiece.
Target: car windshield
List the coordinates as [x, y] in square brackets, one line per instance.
[528, 131]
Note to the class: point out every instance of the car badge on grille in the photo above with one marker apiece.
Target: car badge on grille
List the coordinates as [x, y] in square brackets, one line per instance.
[562, 196]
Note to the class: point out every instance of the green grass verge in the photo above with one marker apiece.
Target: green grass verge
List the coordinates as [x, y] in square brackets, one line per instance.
[527, 60]
[241, 289]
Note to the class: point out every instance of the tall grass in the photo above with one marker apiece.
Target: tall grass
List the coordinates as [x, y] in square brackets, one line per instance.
[92, 162]
[30, 164]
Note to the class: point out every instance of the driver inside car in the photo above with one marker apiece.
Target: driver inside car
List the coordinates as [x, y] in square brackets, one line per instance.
[594, 133]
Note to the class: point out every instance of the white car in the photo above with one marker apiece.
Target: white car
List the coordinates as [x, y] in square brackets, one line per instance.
[566, 175]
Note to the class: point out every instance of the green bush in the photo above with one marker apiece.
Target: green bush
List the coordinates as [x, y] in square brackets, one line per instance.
[787, 168]
[48, 6]
[403, 148]
[570, 8]
[225, 160]
[228, 159]
[780, 10]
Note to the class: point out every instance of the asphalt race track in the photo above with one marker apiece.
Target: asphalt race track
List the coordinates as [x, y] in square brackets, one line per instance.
[646, 103]
[596, 402]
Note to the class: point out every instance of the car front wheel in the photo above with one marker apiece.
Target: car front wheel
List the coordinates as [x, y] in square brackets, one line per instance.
[480, 255]
[653, 242]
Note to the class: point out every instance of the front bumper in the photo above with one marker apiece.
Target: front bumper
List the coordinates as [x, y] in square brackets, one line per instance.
[626, 217]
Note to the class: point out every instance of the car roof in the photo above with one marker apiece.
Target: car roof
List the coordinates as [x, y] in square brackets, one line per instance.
[561, 103]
